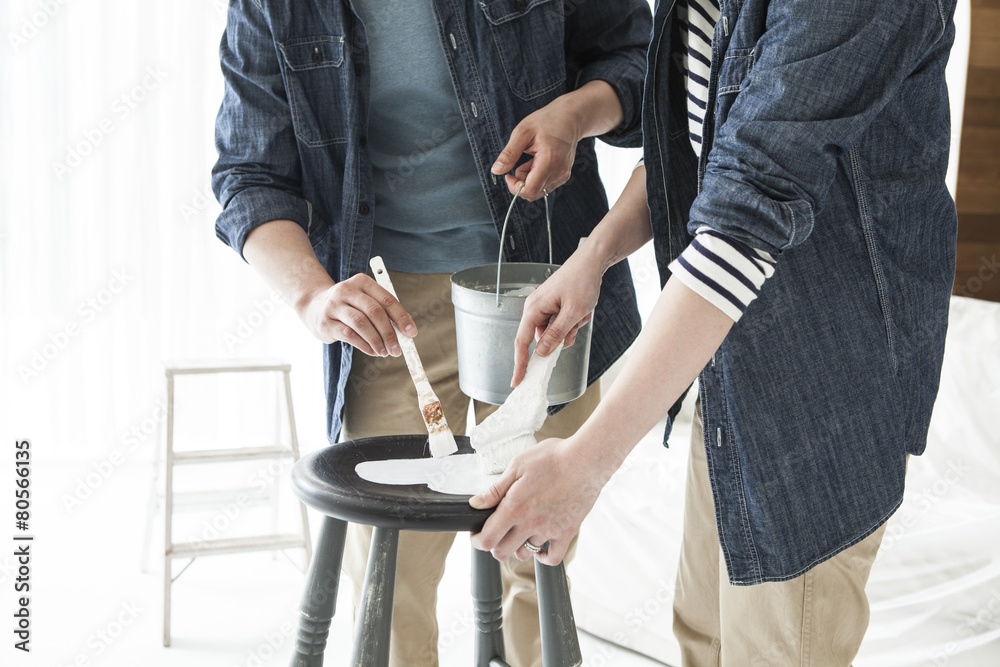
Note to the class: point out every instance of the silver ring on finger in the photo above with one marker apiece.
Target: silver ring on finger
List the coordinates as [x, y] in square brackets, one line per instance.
[532, 548]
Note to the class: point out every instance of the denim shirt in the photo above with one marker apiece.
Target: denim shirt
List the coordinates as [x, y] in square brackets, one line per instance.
[291, 132]
[826, 144]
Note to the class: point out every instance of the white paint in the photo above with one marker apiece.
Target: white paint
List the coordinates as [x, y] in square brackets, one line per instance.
[521, 291]
[457, 474]
[509, 430]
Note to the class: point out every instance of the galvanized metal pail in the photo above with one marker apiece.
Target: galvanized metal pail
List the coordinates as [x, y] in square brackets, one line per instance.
[489, 300]
[486, 334]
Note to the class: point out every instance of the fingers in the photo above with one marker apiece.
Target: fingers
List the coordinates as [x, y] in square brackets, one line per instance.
[492, 496]
[571, 336]
[536, 174]
[511, 153]
[555, 333]
[359, 312]
[533, 318]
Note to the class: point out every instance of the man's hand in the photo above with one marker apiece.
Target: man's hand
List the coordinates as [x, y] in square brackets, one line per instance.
[356, 311]
[359, 312]
[550, 135]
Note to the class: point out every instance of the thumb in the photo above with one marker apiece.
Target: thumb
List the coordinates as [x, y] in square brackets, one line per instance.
[512, 152]
[492, 496]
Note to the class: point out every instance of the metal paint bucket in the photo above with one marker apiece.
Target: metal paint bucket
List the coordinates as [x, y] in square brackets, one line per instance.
[488, 308]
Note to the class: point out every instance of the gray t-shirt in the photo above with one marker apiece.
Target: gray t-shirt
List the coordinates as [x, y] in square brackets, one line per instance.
[430, 214]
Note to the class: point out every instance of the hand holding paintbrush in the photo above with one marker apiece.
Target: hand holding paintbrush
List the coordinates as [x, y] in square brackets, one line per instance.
[442, 441]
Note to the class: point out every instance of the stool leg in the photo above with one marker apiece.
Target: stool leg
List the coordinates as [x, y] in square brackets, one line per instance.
[320, 598]
[560, 643]
[487, 600]
[373, 627]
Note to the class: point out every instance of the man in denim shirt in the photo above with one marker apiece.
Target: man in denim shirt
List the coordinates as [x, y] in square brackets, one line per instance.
[371, 127]
[807, 245]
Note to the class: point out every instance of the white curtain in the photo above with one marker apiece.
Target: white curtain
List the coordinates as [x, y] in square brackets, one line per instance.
[108, 259]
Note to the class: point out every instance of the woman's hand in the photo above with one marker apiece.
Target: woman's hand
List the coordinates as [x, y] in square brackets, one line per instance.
[359, 312]
[544, 496]
[555, 311]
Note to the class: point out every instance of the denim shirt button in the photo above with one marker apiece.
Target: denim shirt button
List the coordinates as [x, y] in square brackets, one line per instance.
[359, 70]
[364, 209]
[363, 141]
[521, 5]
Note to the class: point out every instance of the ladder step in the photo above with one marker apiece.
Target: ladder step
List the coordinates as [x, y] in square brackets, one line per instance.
[235, 545]
[197, 367]
[200, 499]
[230, 454]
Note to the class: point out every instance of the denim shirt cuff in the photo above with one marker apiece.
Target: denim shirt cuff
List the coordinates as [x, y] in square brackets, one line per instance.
[254, 206]
[629, 91]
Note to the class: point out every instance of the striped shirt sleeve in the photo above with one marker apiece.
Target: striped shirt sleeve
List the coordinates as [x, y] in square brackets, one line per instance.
[725, 272]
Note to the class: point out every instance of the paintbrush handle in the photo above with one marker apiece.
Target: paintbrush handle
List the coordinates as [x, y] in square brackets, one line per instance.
[425, 393]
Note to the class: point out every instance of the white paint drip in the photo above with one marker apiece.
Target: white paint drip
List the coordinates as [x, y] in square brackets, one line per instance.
[510, 430]
[457, 474]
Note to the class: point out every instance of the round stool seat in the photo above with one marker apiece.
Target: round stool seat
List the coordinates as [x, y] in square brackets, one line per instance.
[326, 481]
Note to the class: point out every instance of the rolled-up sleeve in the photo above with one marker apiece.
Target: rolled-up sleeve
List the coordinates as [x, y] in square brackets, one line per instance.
[607, 41]
[804, 94]
[257, 177]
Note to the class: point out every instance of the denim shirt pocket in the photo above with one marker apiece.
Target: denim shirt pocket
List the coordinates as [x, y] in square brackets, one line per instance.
[528, 35]
[316, 86]
[733, 74]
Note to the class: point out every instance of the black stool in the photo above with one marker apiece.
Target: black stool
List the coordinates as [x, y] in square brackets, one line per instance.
[325, 480]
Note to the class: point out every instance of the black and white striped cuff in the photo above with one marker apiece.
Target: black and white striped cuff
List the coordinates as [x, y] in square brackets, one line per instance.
[724, 271]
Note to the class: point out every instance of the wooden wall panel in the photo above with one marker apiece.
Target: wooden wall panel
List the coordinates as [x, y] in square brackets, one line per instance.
[978, 197]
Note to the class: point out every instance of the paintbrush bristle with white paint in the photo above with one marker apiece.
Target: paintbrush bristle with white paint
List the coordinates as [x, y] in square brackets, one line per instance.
[511, 429]
[440, 437]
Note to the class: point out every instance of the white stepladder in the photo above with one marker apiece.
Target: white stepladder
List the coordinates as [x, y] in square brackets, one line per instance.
[192, 550]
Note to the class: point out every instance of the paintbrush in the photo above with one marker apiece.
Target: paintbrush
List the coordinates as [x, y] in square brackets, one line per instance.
[441, 439]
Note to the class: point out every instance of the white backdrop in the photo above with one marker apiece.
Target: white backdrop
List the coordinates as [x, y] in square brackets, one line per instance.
[108, 259]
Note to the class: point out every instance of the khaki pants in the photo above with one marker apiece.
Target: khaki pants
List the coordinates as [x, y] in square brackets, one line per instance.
[381, 400]
[815, 620]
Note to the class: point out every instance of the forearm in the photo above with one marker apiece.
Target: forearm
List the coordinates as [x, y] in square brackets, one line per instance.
[281, 253]
[683, 332]
[624, 229]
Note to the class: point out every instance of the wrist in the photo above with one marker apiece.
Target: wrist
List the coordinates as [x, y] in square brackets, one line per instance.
[594, 109]
[303, 296]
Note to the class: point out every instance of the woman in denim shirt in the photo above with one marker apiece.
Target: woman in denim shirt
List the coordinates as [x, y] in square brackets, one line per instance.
[371, 127]
[807, 247]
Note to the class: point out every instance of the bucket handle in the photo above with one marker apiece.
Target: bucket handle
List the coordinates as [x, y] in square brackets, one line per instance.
[503, 232]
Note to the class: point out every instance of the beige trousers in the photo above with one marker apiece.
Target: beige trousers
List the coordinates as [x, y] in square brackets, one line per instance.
[815, 620]
[381, 400]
